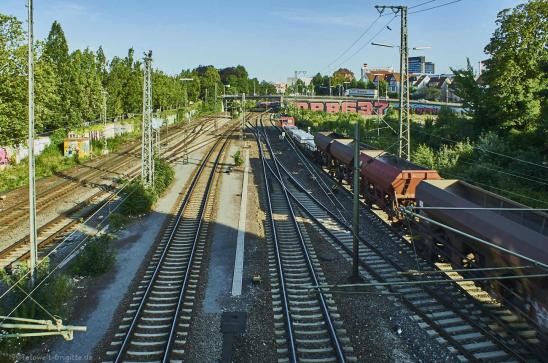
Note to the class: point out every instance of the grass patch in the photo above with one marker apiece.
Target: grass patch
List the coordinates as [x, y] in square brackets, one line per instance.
[97, 257]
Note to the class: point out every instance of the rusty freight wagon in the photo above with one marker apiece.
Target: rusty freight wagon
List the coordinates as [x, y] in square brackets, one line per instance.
[523, 232]
[389, 181]
[324, 143]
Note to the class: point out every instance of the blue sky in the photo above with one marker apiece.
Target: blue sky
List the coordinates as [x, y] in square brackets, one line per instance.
[270, 38]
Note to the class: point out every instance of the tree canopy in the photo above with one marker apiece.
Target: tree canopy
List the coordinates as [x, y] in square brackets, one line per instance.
[510, 96]
[69, 85]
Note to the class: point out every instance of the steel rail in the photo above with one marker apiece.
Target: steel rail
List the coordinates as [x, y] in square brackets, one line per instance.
[150, 284]
[285, 299]
[523, 315]
[173, 332]
[325, 310]
[397, 266]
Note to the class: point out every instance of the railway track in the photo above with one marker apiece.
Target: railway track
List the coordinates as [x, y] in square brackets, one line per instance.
[307, 326]
[60, 227]
[471, 330]
[156, 326]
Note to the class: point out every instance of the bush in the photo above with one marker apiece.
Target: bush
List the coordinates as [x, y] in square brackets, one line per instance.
[97, 257]
[238, 160]
[164, 176]
[139, 201]
[117, 220]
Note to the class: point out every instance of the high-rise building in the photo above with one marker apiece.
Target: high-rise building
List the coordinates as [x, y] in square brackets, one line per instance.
[420, 65]
[416, 64]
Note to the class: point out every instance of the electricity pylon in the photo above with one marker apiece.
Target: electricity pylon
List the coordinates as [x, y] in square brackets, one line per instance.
[405, 126]
[147, 147]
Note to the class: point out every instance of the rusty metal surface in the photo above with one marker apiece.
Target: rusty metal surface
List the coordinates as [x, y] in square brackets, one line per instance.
[497, 227]
[342, 151]
[391, 174]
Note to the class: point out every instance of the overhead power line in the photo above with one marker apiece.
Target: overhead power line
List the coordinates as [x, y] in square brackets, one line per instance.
[354, 43]
[369, 41]
[435, 7]
[421, 4]
[427, 9]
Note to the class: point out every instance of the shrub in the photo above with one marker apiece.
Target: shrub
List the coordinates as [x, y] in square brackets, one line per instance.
[97, 257]
[139, 201]
[424, 156]
[117, 220]
[238, 160]
[164, 176]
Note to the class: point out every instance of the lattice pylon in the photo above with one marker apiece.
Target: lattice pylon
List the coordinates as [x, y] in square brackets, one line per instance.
[147, 146]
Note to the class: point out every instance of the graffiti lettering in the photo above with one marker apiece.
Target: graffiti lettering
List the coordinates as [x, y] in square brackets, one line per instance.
[4, 160]
[316, 106]
[366, 108]
[332, 107]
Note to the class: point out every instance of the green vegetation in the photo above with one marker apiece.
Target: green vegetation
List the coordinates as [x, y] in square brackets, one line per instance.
[163, 177]
[501, 144]
[238, 160]
[69, 84]
[52, 296]
[141, 199]
[97, 257]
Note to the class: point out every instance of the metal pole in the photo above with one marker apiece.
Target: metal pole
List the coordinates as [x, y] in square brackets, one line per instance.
[147, 153]
[243, 114]
[356, 199]
[32, 186]
[295, 89]
[215, 99]
[104, 117]
[405, 129]
[378, 111]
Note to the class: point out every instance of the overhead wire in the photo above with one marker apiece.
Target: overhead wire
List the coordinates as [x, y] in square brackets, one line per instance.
[354, 43]
[68, 237]
[51, 272]
[421, 4]
[434, 7]
[369, 41]
[482, 149]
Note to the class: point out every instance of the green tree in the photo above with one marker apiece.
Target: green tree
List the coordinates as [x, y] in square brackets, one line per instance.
[55, 54]
[472, 94]
[12, 81]
[513, 72]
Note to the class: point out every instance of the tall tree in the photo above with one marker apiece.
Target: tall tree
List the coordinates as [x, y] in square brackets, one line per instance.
[466, 86]
[55, 54]
[513, 72]
[12, 81]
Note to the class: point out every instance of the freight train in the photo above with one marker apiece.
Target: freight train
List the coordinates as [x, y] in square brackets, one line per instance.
[389, 183]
